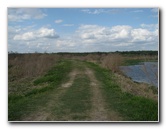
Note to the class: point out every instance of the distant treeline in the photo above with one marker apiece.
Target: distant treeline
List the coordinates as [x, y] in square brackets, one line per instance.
[138, 52]
[97, 53]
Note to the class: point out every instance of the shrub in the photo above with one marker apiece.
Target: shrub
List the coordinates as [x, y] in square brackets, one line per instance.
[112, 62]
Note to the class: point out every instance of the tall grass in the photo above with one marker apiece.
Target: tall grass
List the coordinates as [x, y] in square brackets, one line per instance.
[29, 65]
[112, 62]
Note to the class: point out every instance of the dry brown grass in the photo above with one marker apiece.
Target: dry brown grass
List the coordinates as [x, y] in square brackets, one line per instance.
[24, 68]
[29, 65]
[93, 58]
[139, 89]
[112, 62]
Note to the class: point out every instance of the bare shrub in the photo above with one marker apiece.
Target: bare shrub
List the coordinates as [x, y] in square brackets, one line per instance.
[112, 62]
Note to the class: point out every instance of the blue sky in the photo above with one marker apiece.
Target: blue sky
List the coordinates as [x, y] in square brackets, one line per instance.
[82, 29]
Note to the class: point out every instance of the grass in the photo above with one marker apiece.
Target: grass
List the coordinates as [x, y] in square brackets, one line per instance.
[34, 79]
[19, 105]
[136, 61]
[133, 108]
[29, 65]
[132, 62]
[75, 103]
[56, 74]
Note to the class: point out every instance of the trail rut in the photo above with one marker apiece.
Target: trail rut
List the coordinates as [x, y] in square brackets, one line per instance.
[72, 77]
[98, 112]
[44, 113]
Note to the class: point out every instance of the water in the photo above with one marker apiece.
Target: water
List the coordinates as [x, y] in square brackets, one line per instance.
[146, 72]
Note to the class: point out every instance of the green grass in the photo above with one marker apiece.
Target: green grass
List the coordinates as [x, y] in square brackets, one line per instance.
[135, 61]
[19, 105]
[132, 108]
[76, 101]
[56, 74]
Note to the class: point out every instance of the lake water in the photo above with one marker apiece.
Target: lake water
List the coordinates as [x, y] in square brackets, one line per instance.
[146, 72]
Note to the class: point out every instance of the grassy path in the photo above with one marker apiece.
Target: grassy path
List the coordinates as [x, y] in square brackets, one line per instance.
[79, 91]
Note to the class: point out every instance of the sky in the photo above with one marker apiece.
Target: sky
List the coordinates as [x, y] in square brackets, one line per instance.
[82, 29]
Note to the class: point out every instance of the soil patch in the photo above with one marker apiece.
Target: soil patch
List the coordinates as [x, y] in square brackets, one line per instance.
[72, 76]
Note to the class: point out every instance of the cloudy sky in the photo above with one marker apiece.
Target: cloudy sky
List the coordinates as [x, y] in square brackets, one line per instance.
[82, 29]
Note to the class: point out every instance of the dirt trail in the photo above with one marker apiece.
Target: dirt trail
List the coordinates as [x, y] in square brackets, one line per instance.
[72, 77]
[44, 113]
[98, 112]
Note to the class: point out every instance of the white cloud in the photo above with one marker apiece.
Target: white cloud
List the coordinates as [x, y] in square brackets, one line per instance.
[25, 36]
[47, 33]
[40, 33]
[96, 11]
[99, 11]
[87, 38]
[20, 14]
[139, 35]
[149, 26]
[120, 32]
[99, 33]
[115, 35]
[58, 21]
